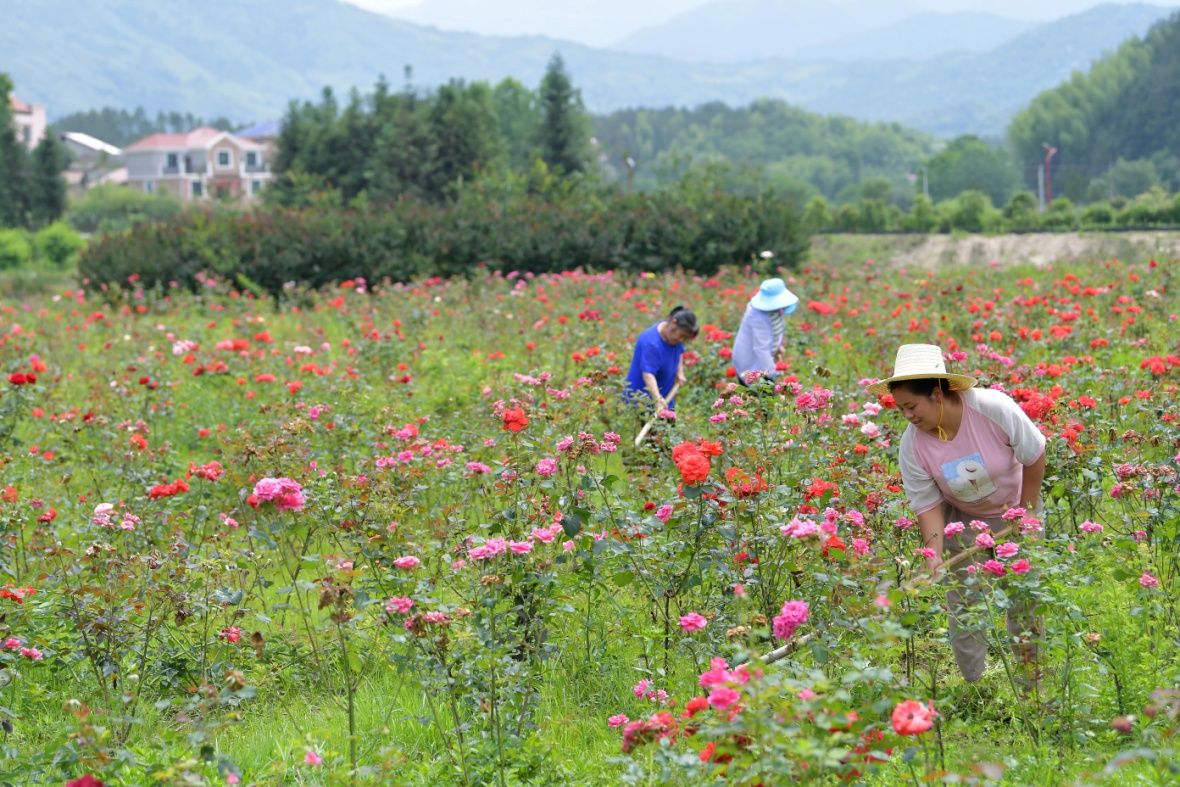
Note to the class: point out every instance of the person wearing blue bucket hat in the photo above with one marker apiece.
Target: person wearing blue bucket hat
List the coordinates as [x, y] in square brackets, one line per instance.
[760, 336]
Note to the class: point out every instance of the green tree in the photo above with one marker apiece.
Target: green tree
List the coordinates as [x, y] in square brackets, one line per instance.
[518, 117]
[1098, 214]
[464, 129]
[971, 211]
[923, 216]
[47, 187]
[563, 135]
[817, 215]
[404, 158]
[1061, 215]
[1021, 211]
[58, 243]
[15, 248]
[1132, 178]
[970, 164]
[13, 165]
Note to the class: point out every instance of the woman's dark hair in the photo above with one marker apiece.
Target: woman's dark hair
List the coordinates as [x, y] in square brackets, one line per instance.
[922, 387]
[685, 320]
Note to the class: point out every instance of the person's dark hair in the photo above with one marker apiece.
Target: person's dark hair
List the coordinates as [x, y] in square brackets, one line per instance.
[922, 387]
[685, 320]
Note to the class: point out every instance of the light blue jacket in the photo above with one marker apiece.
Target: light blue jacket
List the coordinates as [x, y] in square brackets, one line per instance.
[756, 341]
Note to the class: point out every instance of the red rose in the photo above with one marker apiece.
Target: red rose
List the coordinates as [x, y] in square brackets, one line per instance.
[515, 419]
[694, 467]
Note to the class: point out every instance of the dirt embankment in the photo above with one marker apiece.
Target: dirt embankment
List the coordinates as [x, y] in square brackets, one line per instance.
[930, 251]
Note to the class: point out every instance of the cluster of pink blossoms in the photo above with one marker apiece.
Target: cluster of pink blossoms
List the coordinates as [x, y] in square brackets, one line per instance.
[644, 691]
[793, 615]
[104, 516]
[800, 528]
[30, 653]
[286, 494]
[498, 546]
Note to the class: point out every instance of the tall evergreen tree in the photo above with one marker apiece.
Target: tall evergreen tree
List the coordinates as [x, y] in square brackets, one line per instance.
[518, 115]
[463, 124]
[13, 164]
[563, 136]
[47, 187]
[404, 158]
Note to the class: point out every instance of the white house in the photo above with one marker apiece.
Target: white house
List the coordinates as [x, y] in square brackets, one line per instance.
[30, 121]
[203, 163]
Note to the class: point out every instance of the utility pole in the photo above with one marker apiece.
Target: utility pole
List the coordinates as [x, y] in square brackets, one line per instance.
[1050, 152]
[1041, 186]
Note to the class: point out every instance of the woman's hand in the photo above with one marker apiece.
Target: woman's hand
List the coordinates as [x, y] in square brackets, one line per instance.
[934, 567]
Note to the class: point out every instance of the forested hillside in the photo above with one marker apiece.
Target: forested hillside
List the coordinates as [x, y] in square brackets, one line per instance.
[792, 147]
[1127, 107]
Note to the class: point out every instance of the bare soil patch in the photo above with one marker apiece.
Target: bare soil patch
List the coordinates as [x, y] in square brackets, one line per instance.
[1039, 249]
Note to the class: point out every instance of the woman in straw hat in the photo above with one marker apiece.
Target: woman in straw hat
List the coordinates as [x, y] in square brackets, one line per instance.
[760, 336]
[968, 456]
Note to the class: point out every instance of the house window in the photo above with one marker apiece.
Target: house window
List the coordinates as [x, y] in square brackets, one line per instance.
[255, 186]
[173, 161]
[223, 158]
[251, 159]
[198, 189]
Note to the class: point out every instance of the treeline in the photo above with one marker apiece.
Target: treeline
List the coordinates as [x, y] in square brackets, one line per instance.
[407, 143]
[795, 151]
[32, 191]
[121, 127]
[974, 211]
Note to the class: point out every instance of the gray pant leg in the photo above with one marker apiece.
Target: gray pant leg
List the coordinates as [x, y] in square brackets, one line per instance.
[967, 630]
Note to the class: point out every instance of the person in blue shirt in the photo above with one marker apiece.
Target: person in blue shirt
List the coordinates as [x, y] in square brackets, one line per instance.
[658, 362]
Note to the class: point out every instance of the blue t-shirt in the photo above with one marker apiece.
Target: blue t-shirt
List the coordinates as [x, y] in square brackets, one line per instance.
[657, 357]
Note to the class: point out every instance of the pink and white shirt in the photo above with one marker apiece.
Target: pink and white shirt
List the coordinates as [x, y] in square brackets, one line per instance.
[980, 471]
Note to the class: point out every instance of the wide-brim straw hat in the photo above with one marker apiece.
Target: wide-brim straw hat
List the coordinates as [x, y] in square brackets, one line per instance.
[921, 362]
[773, 295]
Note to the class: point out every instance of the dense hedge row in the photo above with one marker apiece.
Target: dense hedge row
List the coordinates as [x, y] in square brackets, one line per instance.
[973, 211]
[409, 239]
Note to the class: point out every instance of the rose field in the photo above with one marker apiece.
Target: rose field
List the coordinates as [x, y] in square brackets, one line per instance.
[401, 534]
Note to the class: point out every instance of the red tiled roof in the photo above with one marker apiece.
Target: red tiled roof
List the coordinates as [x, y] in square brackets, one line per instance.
[197, 138]
[18, 105]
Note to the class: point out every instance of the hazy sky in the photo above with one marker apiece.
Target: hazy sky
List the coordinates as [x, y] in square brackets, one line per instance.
[602, 22]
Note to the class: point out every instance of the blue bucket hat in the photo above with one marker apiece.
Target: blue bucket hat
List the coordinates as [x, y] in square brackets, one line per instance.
[774, 295]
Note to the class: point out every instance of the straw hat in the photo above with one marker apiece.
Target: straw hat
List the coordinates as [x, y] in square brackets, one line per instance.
[773, 295]
[921, 362]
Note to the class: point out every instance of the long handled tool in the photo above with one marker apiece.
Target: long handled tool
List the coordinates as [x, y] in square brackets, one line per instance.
[785, 650]
[651, 421]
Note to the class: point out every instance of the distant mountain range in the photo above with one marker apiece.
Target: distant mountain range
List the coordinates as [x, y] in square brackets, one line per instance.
[736, 30]
[246, 59]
